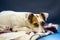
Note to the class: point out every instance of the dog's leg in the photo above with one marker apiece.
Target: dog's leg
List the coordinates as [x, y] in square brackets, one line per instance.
[12, 35]
[26, 29]
[37, 35]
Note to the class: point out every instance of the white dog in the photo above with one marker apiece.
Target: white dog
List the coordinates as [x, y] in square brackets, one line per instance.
[22, 23]
[17, 21]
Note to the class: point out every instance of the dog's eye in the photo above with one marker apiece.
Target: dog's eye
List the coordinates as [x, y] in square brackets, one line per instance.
[36, 24]
[42, 23]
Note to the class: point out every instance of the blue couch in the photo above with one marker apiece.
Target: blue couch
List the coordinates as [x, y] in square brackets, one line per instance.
[55, 36]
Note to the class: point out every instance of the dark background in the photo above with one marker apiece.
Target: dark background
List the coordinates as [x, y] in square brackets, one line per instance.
[36, 6]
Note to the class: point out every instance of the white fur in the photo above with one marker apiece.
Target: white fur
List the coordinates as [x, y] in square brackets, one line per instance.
[13, 19]
[21, 36]
[17, 20]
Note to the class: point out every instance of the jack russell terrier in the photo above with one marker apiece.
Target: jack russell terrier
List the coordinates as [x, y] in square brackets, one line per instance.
[22, 21]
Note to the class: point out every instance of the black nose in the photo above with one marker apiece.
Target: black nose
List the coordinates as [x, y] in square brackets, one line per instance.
[11, 29]
[34, 32]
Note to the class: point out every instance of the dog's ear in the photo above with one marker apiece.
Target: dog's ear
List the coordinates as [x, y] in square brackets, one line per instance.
[30, 17]
[44, 16]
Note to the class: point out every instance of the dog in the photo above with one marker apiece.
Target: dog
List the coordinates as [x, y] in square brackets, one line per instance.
[22, 21]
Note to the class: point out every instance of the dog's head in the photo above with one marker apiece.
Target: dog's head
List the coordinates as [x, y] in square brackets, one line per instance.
[36, 21]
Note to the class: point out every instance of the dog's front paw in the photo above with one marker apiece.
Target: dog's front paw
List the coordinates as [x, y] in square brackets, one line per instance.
[49, 32]
[34, 37]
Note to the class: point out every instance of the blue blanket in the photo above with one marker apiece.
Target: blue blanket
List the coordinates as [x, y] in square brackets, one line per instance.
[55, 36]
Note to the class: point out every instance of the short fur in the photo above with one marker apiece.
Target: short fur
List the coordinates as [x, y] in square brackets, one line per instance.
[17, 21]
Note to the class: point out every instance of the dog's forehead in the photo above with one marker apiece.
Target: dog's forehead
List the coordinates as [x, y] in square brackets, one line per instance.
[37, 15]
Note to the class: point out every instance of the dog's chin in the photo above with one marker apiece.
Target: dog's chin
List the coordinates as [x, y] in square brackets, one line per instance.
[38, 31]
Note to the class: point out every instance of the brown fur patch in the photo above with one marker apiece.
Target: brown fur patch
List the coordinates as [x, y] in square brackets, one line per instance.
[43, 16]
[35, 19]
[32, 19]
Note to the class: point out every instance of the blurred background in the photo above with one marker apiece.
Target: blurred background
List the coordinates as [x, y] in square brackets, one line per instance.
[50, 6]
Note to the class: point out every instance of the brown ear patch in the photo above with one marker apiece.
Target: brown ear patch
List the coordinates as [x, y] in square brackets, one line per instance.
[30, 18]
[43, 16]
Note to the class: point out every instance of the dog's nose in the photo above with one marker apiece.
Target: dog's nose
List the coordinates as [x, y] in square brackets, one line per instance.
[34, 31]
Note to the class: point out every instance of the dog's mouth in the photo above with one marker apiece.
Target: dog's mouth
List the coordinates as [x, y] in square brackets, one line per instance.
[34, 32]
